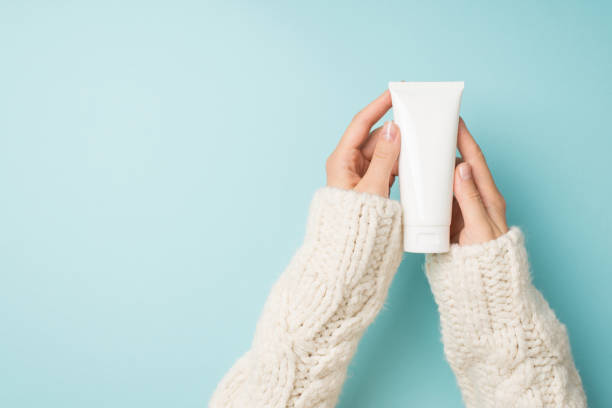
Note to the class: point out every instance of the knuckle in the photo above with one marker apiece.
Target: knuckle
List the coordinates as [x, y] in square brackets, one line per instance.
[357, 119]
[473, 195]
[381, 154]
[384, 151]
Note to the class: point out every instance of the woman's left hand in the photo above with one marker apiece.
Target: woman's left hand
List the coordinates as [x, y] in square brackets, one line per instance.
[366, 160]
[479, 209]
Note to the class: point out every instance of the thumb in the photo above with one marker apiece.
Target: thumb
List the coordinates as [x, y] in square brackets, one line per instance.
[386, 152]
[473, 210]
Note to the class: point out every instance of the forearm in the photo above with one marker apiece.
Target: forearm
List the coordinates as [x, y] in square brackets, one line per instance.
[318, 310]
[501, 338]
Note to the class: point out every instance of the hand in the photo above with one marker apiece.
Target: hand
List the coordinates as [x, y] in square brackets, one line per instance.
[479, 210]
[366, 161]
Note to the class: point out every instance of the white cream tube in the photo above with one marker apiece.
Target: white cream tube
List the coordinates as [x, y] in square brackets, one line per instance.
[427, 114]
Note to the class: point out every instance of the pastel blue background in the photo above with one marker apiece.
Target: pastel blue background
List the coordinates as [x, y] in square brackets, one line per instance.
[157, 161]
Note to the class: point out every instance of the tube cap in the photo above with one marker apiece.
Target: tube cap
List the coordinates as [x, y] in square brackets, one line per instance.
[427, 239]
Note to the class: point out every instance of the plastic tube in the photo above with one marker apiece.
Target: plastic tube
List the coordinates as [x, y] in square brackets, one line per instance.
[427, 114]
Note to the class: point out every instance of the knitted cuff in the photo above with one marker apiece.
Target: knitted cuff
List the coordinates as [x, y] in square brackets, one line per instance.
[352, 248]
[332, 289]
[481, 289]
[351, 227]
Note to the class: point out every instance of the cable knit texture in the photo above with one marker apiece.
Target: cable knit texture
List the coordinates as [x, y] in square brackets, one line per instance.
[502, 340]
[316, 313]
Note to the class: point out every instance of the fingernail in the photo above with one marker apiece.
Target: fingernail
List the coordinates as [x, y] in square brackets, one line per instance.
[390, 131]
[465, 171]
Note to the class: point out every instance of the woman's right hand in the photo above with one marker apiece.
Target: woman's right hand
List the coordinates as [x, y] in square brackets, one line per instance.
[479, 209]
[366, 160]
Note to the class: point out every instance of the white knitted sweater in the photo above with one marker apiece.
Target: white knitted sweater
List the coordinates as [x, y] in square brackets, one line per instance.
[501, 339]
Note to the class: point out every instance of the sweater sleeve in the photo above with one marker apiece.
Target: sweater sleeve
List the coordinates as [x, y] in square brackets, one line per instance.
[502, 340]
[317, 311]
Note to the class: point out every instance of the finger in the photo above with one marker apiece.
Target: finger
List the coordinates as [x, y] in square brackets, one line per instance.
[472, 154]
[474, 214]
[369, 145]
[359, 128]
[376, 178]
